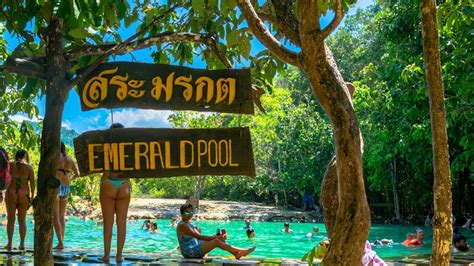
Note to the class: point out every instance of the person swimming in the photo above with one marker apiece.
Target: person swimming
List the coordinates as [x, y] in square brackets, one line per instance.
[247, 224]
[146, 225]
[153, 227]
[460, 244]
[174, 222]
[408, 239]
[416, 239]
[286, 228]
[250, 233]
[315, 231]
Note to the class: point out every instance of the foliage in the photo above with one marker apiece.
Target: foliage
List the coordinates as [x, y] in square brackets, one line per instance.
[378, 49]
[292, 144]
[381, 51]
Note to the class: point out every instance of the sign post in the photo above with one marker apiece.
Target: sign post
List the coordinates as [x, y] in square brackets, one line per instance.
[165, 87]
[148, 152]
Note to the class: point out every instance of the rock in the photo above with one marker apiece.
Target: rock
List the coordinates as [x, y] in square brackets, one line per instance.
[96, 260]
[240, 262]
[12, 251]
[140, 258]
[66, 263]
[194, 261]
[294, 262]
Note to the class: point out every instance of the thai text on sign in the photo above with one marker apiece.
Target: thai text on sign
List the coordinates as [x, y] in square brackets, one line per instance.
[166, 87]
[144, 152]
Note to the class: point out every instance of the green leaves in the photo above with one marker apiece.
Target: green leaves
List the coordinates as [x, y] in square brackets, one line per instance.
[30, 87]
[78, 33]
[309, 257]
[198, 6]
[409, 72]
[323, 6]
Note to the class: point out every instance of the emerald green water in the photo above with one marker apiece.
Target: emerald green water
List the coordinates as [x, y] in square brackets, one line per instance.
[269, 240]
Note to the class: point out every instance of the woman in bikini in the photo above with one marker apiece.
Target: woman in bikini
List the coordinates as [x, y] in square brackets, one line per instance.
[18, 195]
[115, 193]
[65, 166]
[194, 245]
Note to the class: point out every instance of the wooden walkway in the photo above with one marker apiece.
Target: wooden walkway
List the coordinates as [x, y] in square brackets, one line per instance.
[16, 257]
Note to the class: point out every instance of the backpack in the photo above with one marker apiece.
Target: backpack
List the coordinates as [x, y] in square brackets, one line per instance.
[5, 178]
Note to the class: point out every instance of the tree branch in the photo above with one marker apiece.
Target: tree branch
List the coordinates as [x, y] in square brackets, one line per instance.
[257, 92]
[119, 46]
[25, 66]
[309, 22]
[339, 15]
[285, 29]
[284, 15]
[138, 44]
[264, 35]
[213, 43]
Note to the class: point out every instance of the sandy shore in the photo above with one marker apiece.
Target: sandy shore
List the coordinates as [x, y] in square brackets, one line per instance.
[151, 208]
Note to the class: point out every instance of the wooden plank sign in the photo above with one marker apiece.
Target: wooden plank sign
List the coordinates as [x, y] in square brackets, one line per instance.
[148, 152]
[166, 87]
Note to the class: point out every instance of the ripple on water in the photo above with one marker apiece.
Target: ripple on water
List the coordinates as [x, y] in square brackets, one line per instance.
[270, 242]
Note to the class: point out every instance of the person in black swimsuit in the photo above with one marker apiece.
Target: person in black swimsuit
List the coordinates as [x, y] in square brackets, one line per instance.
[65, 166]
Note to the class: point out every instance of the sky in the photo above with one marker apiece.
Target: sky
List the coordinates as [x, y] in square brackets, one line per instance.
[74, 118]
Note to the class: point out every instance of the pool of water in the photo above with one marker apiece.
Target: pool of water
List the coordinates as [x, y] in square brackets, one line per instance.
[270, 242]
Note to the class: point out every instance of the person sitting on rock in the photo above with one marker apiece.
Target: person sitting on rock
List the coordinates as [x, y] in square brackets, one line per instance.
[286, 228]
[194, 245]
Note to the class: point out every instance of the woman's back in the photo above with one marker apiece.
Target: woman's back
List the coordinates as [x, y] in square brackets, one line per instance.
[20, 174]
[64, 168]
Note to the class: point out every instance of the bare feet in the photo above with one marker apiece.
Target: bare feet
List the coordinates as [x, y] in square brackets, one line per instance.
[244, 253]
[104, 259]
[21, 247]
[8, 247]
[59, 247]
[118, 258]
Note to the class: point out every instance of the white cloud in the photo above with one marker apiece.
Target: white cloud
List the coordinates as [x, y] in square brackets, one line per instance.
[140, 118]
[67, 124]
[20, 118]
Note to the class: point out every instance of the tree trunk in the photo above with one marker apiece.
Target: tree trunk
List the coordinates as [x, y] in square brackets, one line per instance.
[329, 199]
[442, 228]
[50, 144]
[199, 183]
[286, 199]
[459, 209]
[470, 190]
[396, 202]
[353, 216]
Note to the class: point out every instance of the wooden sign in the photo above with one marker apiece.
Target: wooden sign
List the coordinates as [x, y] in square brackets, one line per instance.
[148, 152]
[166, 87]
